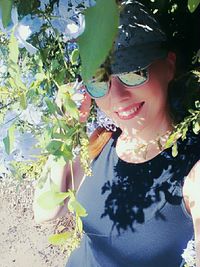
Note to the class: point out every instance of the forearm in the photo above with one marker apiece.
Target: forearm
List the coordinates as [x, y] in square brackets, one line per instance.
[58, 175]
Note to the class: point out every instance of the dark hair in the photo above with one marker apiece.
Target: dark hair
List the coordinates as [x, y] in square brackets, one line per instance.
[181, 29]
[183, 91]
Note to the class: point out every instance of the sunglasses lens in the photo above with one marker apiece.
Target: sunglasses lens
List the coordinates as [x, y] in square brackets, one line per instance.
[134, 78]
[97, 89]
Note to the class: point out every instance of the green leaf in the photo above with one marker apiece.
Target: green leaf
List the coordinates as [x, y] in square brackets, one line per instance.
[23, 102]
[13, 69]
[197, 104]
[60, 239]
[40, 76]
[71, 132]
[67, 152]
[171, 140]
[58, 148]
[59, 136]
[54, 146]
[6, 142]
[64, 88]
[9, 140]
[6, 7]
[183, 133]
[75, 206]
[196, 127]
[79, 224]
[74, 56]
[13, 49]
[174, 150]
[28, 7]
[101, 27]
[192, 5]
[62, 123]
[50, 200]
[60, 76]
[68, 135]
[52, 106]
[70, 107]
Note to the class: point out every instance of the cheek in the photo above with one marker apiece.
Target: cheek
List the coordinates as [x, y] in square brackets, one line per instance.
[103, 104]
[158, 87]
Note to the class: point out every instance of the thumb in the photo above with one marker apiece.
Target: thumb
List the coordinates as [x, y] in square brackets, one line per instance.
[84, 109]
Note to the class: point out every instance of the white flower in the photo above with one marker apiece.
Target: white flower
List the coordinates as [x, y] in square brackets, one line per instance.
[25, 147]
[9, 119]
[91, 127]
[69, 20]
[104, 121]
[189, 254]
[76, 151]
[71, 28]
[74, 28]
[32, 115]
[24, 29]
[101, 120]
[78, 91]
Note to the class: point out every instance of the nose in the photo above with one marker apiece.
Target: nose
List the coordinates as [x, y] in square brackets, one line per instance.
[118, 91]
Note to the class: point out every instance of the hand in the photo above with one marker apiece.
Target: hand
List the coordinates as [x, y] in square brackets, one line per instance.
[84, 109]
[80, 96]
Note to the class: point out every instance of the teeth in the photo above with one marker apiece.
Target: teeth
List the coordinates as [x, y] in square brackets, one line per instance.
[127, 113]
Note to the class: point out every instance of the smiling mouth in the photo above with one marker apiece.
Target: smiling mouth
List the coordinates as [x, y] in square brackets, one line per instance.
[130, 113]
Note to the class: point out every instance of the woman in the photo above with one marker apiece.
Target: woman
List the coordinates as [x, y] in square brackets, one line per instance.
[142, 203]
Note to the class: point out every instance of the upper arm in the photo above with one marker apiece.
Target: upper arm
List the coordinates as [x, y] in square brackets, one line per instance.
[192, 190]
[192, 185]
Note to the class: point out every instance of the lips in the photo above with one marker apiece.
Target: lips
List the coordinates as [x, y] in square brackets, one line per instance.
[130, 111]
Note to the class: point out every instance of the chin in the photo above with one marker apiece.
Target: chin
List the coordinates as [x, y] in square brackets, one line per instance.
[131, 125]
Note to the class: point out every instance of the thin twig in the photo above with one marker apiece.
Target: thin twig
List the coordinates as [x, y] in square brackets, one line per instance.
[5, 106]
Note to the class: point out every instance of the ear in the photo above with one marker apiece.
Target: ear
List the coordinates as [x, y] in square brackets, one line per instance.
[171, 63]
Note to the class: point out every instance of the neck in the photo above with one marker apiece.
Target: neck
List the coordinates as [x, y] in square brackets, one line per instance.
[159, 129]
[137, 146]
[144, 144]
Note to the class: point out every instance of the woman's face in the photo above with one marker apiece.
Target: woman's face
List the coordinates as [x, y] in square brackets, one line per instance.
[140, 106]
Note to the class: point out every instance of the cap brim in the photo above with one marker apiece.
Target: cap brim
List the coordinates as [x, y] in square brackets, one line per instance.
[136, 58]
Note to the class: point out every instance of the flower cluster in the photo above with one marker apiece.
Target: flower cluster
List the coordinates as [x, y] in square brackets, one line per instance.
[66, 18]
[36, 58]
[16, 145]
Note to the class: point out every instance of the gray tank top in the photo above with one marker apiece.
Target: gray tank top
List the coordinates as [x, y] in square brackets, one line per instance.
[136, 215]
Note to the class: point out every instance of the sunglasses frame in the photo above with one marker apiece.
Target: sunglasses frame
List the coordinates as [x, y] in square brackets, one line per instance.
[116, 75]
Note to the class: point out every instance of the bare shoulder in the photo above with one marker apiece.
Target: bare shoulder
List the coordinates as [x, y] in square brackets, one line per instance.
[191, 189]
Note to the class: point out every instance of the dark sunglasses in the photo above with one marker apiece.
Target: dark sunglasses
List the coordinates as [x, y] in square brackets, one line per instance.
[97, 88]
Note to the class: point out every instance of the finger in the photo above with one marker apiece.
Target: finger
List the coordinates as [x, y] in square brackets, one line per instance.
[84, 109]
